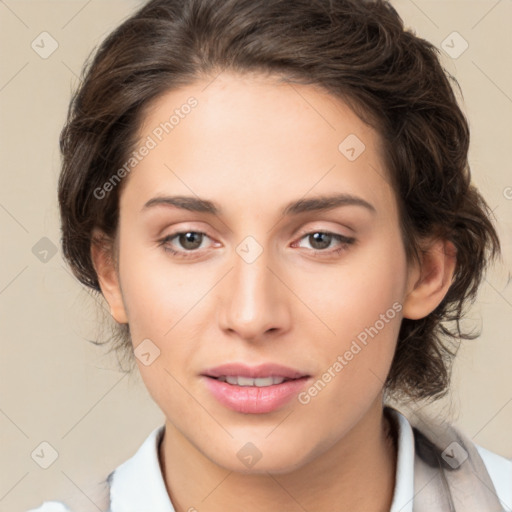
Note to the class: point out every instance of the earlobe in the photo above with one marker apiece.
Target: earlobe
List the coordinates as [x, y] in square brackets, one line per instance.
[430, 279]
[102, 255]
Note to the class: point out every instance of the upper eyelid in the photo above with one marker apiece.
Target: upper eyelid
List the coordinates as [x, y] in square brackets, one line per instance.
[301, 233]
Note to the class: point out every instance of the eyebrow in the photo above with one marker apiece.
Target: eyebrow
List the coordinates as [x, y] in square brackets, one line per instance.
[320, 203]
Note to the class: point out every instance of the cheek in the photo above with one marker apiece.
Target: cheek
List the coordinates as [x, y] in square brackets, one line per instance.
[164, 304]
[156, 293]
[353, 295]
[361, 304]
[159, 300]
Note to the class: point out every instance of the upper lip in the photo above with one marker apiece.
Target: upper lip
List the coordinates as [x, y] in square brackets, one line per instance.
[262, 370]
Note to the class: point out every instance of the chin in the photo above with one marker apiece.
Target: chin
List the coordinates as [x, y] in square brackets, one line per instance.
[260, 458]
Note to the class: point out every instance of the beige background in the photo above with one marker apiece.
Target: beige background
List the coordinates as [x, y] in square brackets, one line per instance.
[59, 388]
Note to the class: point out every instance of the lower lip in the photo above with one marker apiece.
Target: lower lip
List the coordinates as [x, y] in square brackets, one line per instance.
[253, 399]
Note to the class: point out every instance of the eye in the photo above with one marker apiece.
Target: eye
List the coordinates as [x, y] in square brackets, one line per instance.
[189, 241]
[321, 240]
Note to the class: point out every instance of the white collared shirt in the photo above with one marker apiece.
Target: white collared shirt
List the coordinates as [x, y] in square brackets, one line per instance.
[137, 485]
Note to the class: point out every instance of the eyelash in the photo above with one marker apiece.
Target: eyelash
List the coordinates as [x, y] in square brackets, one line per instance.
[344, 241]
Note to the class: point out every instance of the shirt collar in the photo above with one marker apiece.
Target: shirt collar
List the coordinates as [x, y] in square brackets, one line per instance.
[138, 483]
[404, 479]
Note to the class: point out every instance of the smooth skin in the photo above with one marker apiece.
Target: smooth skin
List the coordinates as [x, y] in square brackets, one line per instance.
[252, 145]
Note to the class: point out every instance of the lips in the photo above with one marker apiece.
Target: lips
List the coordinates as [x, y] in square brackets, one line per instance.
[254, 389]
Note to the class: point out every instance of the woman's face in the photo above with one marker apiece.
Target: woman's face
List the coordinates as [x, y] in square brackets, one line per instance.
[257, 283]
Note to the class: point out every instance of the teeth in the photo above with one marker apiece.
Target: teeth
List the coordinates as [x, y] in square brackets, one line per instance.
[260, 382]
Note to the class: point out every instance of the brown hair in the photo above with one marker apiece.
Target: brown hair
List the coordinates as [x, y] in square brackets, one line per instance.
[356, 50]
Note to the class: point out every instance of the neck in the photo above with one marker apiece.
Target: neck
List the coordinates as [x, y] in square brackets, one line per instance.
[355, 474]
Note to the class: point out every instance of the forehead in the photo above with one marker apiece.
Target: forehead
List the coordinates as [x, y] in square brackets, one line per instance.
[253, 140]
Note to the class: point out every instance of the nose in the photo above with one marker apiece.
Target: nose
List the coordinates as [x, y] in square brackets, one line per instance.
[254, 303]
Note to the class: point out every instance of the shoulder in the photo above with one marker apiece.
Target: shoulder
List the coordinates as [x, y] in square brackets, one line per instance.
[500, 471]
[51, 506]
[442, 434]
[92, 496]
[128, 487]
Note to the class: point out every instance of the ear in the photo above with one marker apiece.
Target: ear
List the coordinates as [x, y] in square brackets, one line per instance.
[429, 280]
[103, 259]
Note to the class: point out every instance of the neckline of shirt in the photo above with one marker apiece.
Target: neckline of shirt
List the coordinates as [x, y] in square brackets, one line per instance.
[138, 483]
